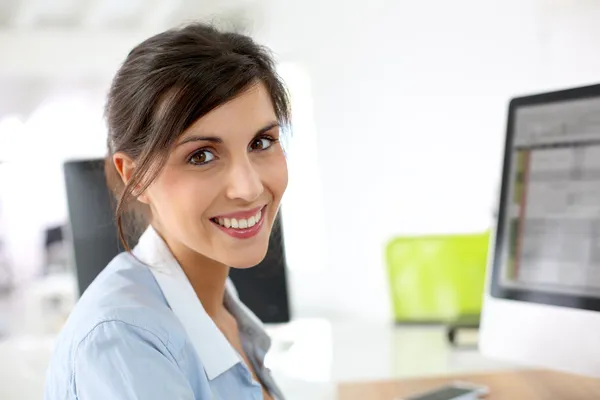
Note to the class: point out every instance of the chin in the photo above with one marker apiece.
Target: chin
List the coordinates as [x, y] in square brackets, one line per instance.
[245, 259]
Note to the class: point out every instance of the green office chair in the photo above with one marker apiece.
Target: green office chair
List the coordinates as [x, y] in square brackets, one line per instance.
[437, 278]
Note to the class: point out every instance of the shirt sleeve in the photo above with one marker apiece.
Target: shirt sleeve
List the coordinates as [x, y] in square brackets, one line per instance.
[120, 361]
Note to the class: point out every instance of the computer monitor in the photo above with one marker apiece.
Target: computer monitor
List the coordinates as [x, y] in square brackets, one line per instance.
[262, 288]
[542, 300]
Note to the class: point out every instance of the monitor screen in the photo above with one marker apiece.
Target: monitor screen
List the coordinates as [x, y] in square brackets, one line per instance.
[548, 231]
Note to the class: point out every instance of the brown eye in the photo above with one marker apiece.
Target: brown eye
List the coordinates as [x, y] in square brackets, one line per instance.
[261, 144]
[201, 157]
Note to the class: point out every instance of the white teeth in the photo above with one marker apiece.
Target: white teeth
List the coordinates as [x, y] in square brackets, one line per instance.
[240, 223]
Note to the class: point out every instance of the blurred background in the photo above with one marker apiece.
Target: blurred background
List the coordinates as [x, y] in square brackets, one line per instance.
[399, 121]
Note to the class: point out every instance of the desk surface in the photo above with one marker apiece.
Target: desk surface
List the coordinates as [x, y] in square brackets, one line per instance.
[512, 385]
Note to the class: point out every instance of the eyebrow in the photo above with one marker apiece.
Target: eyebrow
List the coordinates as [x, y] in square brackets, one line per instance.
[216, 139]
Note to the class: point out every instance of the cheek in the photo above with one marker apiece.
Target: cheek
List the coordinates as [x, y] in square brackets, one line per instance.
[178, 195]
[277, 175]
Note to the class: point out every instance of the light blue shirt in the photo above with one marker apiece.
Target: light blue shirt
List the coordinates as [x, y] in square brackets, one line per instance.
[140, 332]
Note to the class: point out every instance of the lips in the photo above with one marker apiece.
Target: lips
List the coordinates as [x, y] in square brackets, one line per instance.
[238, 221]
[242, 224]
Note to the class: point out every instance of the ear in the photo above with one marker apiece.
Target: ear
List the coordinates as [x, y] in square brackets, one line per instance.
[125, 167]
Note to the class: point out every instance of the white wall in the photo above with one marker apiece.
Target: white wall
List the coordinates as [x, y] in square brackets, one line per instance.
[569, 43]
[410, 101]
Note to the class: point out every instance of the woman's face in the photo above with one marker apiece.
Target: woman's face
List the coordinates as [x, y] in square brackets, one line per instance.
[220, 190]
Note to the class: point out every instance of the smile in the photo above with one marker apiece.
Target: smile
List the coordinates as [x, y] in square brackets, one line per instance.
[242, 225]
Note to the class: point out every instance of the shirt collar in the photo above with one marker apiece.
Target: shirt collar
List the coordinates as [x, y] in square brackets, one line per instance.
[215, 352]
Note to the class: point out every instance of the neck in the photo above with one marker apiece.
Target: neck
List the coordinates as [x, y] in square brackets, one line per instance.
[207, 277]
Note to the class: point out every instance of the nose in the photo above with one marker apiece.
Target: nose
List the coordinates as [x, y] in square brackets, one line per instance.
[244, 181]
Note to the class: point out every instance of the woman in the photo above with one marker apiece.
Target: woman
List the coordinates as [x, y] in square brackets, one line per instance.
[194, 117]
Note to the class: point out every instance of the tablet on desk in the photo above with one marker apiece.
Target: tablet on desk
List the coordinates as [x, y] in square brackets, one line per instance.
[453, 391]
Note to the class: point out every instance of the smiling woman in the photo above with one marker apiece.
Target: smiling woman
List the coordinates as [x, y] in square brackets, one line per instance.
[195, 117]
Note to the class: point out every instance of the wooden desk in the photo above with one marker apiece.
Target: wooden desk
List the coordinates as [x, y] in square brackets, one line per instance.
[512, 385]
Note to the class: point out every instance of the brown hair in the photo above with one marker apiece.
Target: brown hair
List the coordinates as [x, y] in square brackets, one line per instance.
[165, 84]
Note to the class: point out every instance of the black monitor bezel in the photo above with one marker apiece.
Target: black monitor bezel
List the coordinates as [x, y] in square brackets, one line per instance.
[519, 294]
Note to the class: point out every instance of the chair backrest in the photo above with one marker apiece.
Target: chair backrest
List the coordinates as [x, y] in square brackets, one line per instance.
[437, 278]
